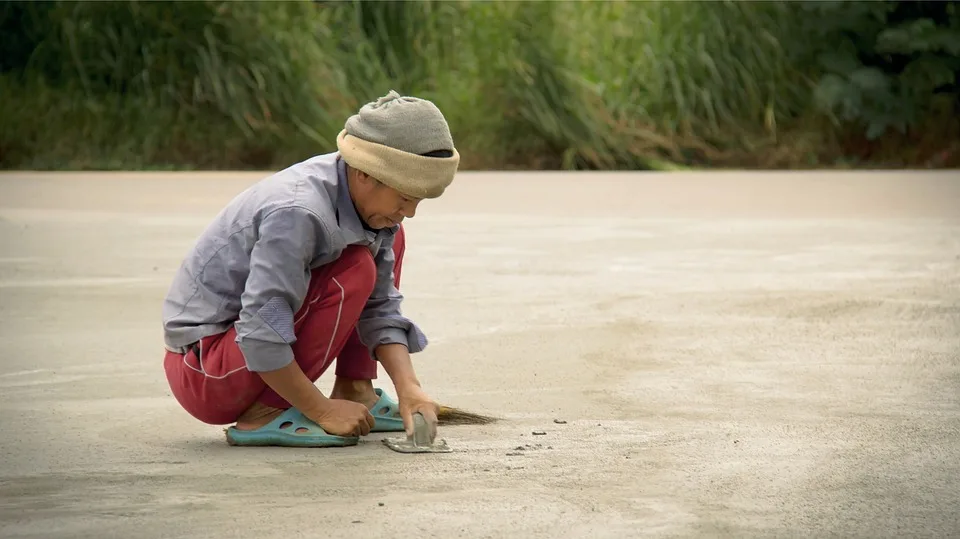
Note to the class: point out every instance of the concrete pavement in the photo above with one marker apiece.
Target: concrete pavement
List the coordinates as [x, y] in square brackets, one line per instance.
[733, 354]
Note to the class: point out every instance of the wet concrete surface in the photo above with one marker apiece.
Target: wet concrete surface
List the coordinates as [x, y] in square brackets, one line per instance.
[729, 354]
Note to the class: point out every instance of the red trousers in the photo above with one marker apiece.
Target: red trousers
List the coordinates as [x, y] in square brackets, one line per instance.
[211, 381]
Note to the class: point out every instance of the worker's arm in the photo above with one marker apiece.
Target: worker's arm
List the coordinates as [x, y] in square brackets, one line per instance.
[338, 417]
[382, 321]
[395, 359]
[287, 240]
[391, 338]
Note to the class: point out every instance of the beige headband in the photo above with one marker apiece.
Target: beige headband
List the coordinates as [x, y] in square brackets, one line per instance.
[414, 175]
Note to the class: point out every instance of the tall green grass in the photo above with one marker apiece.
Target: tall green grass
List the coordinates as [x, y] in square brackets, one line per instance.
[256, 84]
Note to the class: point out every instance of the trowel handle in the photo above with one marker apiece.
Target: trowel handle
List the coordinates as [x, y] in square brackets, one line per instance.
[421, 430]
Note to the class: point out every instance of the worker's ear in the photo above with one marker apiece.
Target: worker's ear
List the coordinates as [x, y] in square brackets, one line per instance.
[366, 178]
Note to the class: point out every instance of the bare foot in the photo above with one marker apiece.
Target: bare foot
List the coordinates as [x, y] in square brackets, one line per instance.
[355, 390]
[257, 416]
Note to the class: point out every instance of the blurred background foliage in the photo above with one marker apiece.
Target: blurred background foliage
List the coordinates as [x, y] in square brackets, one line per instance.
[525, 85]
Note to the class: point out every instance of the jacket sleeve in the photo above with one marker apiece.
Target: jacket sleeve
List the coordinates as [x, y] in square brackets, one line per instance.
[382, 321]
[287, 239]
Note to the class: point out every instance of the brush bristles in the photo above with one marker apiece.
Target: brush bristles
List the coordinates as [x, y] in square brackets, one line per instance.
[455, 416]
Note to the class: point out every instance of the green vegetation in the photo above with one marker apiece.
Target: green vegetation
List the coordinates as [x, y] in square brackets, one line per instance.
[534, 85]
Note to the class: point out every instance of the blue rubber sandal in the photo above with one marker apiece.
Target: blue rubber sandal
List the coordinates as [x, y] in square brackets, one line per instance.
[283, 431]
[386, 413]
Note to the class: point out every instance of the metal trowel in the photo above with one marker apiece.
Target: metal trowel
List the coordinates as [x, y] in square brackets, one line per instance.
[420, 442]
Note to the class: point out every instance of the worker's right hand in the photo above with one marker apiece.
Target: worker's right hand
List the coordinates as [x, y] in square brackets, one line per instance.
[344, 418]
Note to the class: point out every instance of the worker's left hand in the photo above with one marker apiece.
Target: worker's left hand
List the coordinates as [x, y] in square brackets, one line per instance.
[412, 400]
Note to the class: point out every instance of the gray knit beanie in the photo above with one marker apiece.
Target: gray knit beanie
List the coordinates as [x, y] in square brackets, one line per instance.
[387, 139]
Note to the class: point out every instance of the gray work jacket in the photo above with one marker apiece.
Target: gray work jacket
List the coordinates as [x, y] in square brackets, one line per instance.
[251, 267]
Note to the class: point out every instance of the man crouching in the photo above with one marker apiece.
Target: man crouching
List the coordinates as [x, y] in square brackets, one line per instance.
[303, 268]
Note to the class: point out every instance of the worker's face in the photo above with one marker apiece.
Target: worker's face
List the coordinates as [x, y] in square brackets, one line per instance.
[379, 205]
